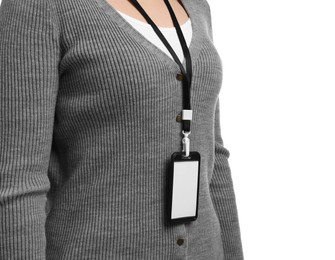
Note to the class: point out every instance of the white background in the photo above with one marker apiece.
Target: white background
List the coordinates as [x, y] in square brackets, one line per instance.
[277, 121]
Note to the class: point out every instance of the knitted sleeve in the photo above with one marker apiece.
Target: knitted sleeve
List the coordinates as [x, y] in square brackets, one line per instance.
[29, 54]
[223, 196]
[221, 184]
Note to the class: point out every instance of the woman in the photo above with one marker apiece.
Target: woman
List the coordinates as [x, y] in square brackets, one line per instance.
[92, 109]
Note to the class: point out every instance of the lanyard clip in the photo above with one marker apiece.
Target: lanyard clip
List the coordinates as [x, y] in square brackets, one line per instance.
[186, 143]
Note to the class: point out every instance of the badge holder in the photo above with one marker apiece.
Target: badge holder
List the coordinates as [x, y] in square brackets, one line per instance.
[183, 184]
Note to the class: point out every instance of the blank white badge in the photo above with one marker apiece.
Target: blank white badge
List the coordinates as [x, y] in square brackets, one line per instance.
[185, 188]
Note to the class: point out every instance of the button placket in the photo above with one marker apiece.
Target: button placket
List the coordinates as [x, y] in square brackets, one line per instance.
[180, 242]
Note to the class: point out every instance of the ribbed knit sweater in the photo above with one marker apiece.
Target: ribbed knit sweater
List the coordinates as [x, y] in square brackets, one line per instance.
[88, 110]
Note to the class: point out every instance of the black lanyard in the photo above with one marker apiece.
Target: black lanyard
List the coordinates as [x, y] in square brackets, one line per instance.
[187, 75]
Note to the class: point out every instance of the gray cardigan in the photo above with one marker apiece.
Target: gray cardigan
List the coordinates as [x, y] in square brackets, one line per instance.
[88, 111]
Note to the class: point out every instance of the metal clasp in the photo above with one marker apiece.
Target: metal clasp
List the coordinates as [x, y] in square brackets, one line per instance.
[186, 142]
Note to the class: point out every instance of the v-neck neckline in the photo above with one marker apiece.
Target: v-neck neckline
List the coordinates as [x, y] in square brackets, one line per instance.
[123, 23]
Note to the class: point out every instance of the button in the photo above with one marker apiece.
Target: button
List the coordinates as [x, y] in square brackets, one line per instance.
[180, 241]
[180, 76]
[178, 118]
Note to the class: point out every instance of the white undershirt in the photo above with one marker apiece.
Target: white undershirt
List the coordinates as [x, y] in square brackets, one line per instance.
[170, 34]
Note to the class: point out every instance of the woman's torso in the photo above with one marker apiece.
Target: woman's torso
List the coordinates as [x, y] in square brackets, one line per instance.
[115, 130]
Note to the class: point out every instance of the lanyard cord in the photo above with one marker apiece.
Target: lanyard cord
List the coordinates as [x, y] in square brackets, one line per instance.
[187, 116]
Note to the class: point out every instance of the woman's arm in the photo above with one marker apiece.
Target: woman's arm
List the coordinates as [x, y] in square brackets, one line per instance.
[29, 56]
[221, 184]
[223, 196]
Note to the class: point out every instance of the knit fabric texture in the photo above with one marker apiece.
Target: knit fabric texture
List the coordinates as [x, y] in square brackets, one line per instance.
[88, 124]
